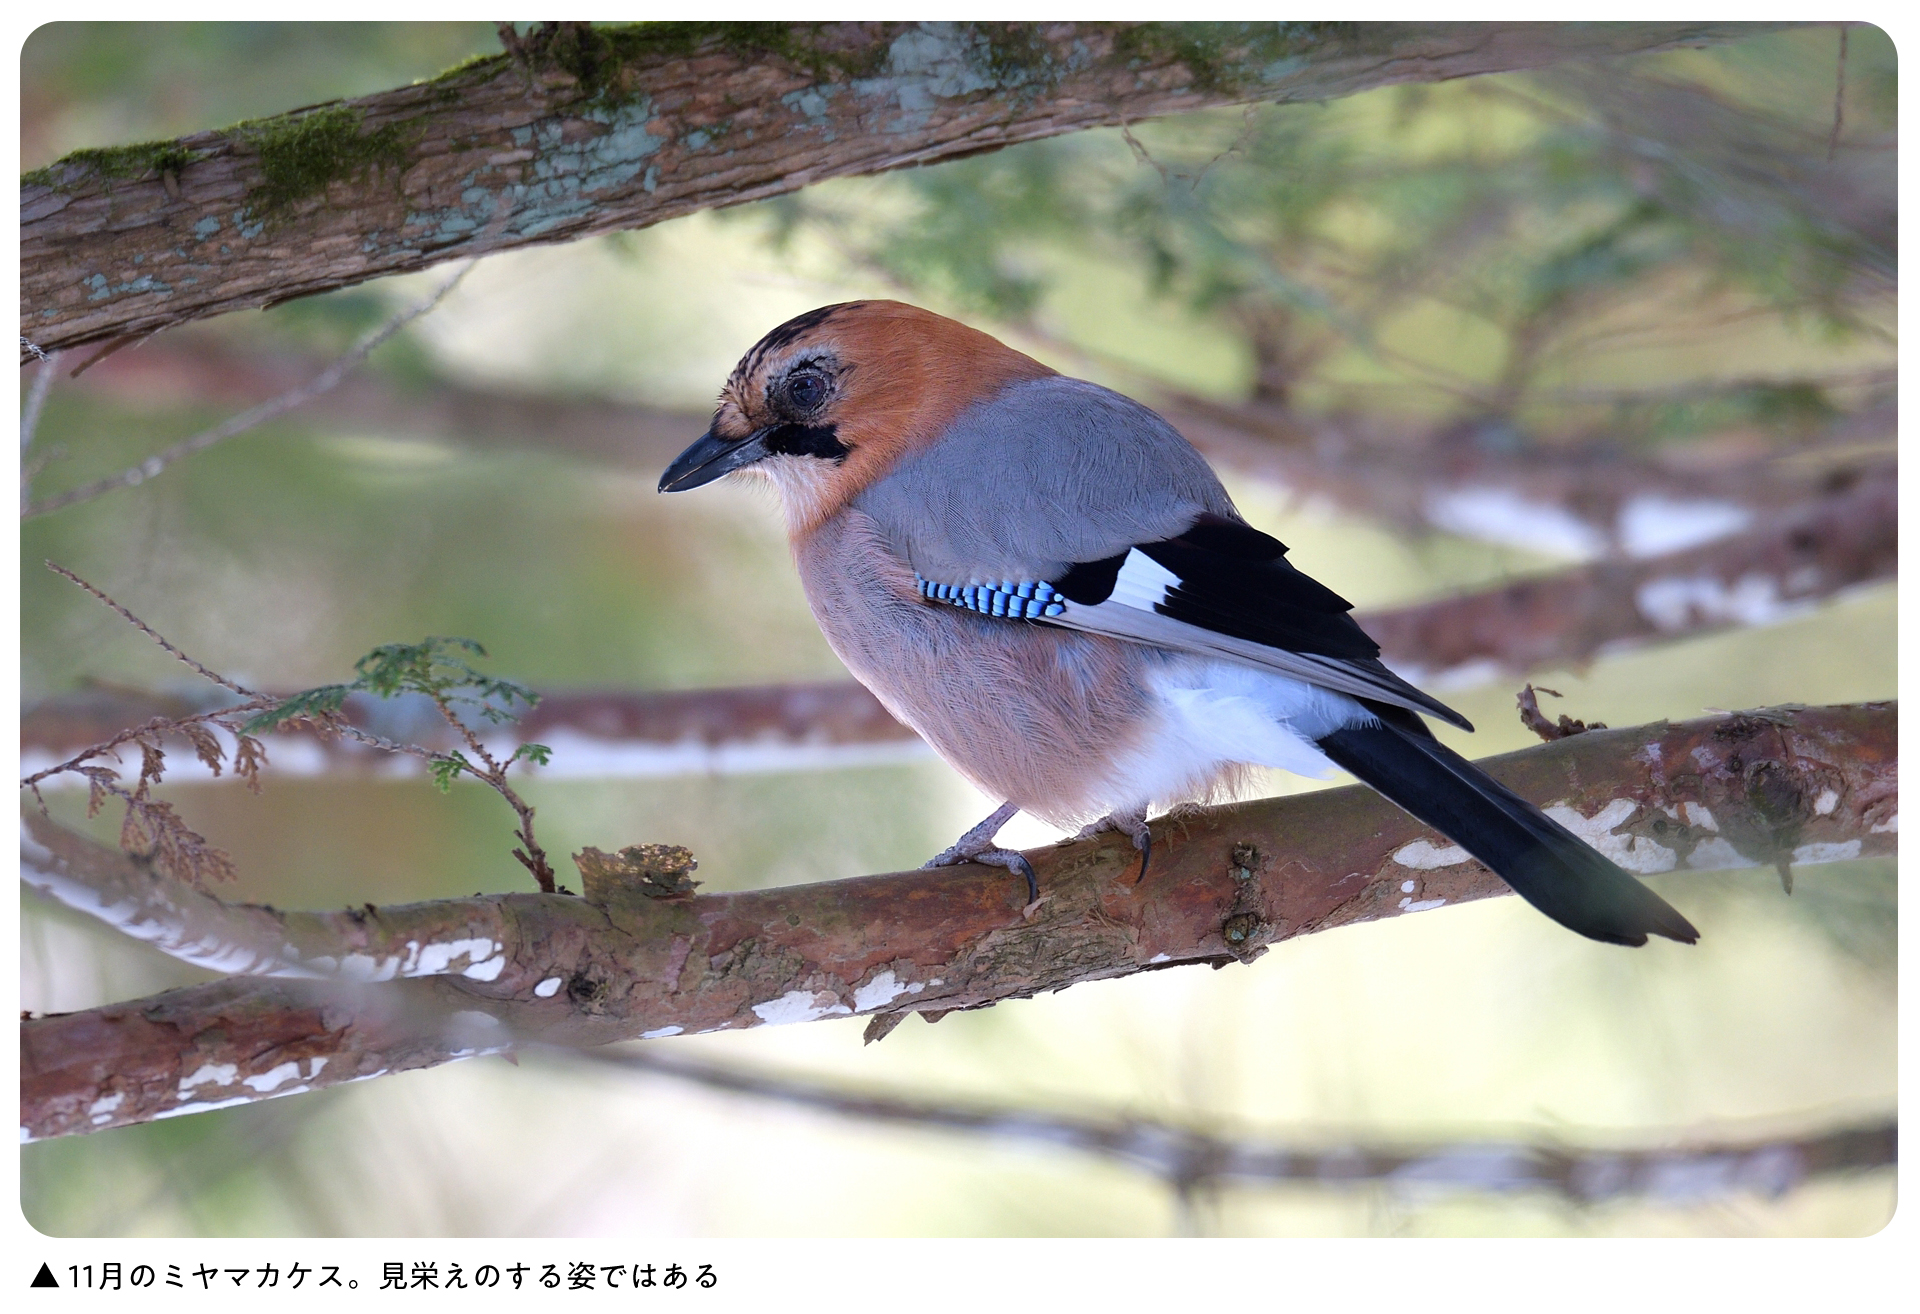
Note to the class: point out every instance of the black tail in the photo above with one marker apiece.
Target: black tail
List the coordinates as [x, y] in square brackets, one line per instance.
[1543, 862]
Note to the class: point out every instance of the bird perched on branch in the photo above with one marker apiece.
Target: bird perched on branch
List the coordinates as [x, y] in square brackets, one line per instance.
[1049, 584]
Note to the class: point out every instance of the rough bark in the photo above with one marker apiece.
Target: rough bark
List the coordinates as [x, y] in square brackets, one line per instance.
[1787, 785]
[620, 128]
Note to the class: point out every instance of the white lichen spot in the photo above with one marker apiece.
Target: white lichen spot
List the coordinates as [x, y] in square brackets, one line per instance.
[1157, 958]
[1891, 826]
[274, 1078]
[1841, 852]
[487, 971]
[1826, 803]
[1421, 905]
[1406, 887]
[1636, 853]
[1700, 817]
[271, 1080]
[1422, 856]
[661, 1033]
[548, 988]
[882, 990]
[101, 1110]
[438, 959]
[799, 1006]
[209, 1074]
[1717, 855]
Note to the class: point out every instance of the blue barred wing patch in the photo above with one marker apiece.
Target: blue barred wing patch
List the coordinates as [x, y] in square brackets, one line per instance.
[1021, 600]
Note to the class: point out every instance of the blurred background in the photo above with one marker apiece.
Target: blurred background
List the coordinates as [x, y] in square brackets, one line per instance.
[1675, 270]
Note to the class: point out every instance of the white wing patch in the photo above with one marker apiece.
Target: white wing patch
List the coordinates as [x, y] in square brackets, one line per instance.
[1143, 582]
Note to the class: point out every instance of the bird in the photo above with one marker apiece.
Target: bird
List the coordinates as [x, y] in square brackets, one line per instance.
[1049, 584]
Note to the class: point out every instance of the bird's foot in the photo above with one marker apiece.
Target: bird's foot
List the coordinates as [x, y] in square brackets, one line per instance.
[977, 846]
[1133, 824]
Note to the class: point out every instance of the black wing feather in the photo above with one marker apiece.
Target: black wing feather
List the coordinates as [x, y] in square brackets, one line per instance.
[1230, 579]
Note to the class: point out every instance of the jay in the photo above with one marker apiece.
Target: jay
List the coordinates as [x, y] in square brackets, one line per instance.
[1049, 584]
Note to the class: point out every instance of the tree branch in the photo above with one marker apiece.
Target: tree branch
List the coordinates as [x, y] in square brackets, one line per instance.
[597, 733]
[1789, 785]
[1790, 563]
[1185, 1157]
[624, 127]
[1585, 503]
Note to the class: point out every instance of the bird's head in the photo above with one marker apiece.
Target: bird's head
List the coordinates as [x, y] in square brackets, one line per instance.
[825, 404]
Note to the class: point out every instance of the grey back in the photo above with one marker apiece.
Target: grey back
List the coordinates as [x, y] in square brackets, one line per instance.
[1045, 473]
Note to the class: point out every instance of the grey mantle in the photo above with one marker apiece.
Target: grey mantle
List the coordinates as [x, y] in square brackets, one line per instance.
[588, 130]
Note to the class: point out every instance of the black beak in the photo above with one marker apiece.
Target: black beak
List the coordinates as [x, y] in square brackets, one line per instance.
[710, 457]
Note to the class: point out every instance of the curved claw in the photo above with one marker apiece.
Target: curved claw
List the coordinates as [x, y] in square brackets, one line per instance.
[977, 846]
[1025, 868]
[1144, 842]
[1010, 859]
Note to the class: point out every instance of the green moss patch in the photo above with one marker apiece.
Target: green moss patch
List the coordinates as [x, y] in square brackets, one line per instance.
[112, 164]
[300, 156]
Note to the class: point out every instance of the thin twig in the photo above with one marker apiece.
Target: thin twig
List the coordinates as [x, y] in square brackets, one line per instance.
[532, 856]
[1249, 128]
[258, 415]
[1839, 97]
[155, 635]
[158, 725]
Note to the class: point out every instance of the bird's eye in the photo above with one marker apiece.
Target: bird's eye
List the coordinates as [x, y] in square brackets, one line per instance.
[806, 391]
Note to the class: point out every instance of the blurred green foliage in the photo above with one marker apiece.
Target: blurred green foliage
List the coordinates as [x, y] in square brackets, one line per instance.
[1555, 219]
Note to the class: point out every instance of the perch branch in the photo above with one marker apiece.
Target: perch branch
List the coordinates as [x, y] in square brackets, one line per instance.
[1789, 785]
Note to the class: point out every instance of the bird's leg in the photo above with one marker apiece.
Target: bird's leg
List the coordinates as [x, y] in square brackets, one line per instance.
[1133, 824]
[977, 846]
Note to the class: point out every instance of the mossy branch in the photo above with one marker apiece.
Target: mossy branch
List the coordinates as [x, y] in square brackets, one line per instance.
[583, 130]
